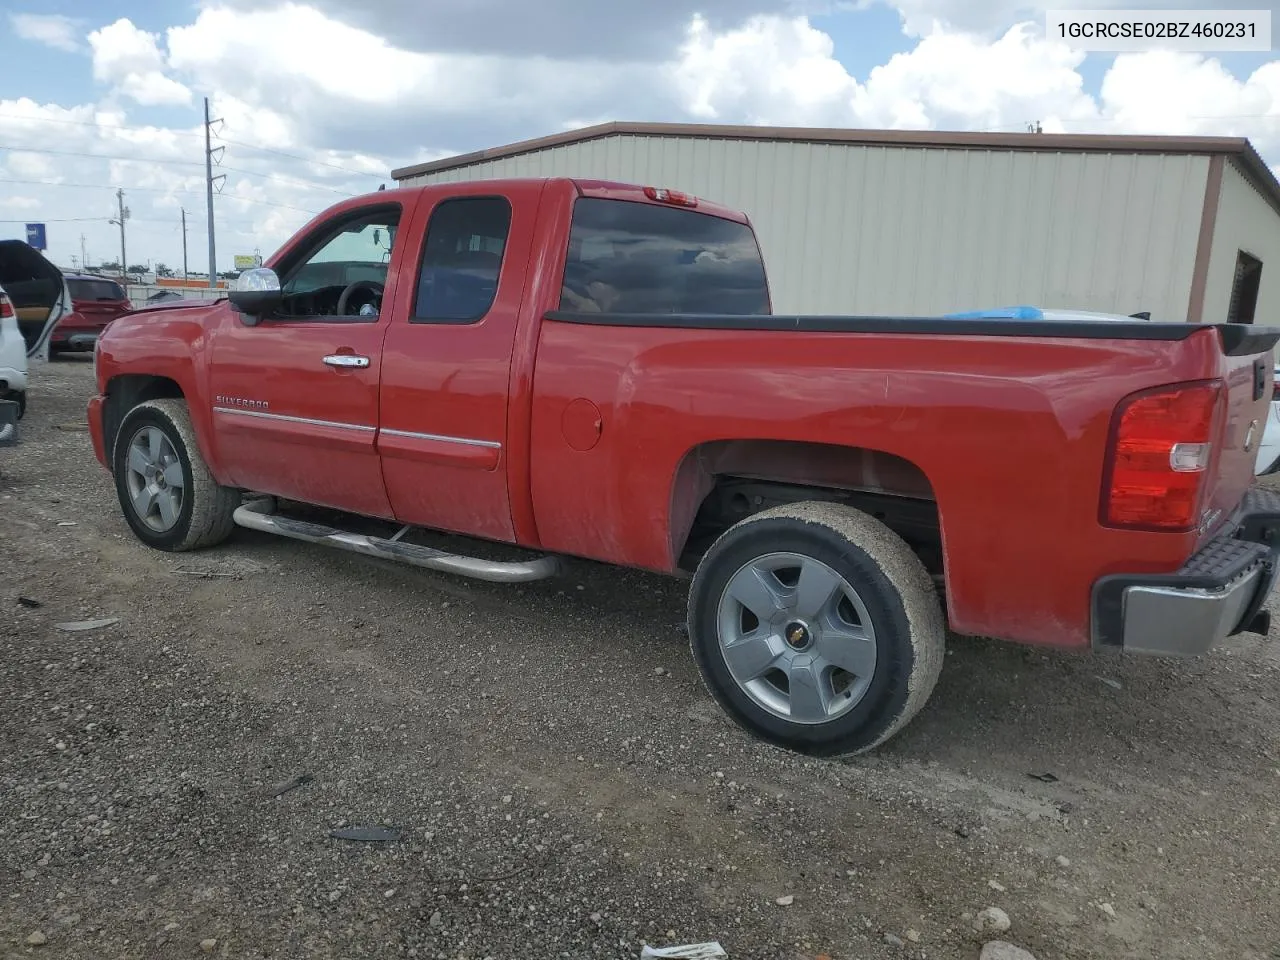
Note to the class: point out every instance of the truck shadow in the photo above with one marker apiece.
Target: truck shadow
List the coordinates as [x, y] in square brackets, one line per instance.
[1000, 710]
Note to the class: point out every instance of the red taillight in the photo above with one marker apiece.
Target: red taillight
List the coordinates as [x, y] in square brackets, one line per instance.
[675, 197]
[6, 308]
[1160, 453]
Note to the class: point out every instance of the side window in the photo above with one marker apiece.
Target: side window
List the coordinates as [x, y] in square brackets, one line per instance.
[461, 260]
[343, 274]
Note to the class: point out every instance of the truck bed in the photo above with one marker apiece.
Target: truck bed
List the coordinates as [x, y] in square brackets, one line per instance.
[1001, 425]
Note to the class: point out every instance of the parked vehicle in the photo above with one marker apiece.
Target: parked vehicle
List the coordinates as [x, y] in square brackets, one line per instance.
[95, 302]
[13, 356]
[162, 295]
[33, 298]
[1268, 460]
[592, 369]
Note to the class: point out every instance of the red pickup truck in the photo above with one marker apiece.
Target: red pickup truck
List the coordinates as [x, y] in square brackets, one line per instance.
[593, 369]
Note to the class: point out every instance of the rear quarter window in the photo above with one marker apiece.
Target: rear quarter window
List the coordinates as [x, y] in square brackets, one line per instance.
[629, 257]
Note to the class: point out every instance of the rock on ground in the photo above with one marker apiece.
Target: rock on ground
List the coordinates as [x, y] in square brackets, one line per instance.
[999, 950]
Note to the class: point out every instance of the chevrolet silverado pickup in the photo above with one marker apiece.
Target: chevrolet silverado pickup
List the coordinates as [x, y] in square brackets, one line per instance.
[580, 368]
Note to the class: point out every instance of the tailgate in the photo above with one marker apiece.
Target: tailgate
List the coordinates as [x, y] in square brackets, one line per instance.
[1248, 377]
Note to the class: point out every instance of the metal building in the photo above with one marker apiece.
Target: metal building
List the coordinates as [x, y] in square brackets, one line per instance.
[926, 222]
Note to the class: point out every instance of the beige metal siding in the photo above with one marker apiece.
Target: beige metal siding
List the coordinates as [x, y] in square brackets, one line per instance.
[1246, 221]
[873, 229]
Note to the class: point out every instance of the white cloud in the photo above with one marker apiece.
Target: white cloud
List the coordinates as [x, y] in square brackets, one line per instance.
[957, 80]
[771, 71]
[560, 30]
[784, 72]
[18, 203]
[1180, 93]
[51, 29]
[131, 61]
[294, 53]
[920, 18]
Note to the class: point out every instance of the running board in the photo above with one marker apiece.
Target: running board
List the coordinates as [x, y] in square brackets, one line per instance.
[261, 515]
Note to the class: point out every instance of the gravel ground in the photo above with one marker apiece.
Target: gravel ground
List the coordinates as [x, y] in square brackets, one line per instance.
[561, 784]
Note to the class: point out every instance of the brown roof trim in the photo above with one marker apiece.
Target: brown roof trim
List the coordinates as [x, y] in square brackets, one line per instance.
[1204, 242]
[1258, 172]
[938, 139]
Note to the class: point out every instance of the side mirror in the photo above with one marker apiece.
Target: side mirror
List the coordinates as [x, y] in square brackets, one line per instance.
[257, 292]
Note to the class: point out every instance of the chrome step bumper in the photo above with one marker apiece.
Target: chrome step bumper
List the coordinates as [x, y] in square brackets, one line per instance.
[261, 515]
[1219, 592]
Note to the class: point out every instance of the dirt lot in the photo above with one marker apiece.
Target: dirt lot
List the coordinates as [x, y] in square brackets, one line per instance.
[562, 784]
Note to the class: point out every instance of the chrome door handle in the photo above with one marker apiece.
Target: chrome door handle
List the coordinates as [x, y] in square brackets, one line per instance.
[346, 360]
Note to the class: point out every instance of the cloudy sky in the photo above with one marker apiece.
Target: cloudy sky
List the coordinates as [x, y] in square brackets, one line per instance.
[320, 99]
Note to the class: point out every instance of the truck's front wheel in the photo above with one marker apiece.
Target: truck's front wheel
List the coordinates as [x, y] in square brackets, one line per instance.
[816, 628]
[169, 498]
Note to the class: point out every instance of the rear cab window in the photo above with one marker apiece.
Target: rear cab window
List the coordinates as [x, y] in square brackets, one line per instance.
[95, 290]
[627, 257]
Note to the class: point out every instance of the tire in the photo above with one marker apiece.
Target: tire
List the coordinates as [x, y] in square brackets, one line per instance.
[782, 561]
[202, 516]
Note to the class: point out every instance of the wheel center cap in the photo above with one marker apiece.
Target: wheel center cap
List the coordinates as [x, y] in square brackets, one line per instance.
[797, 635]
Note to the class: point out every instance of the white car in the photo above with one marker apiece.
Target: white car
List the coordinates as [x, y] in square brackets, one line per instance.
[1268, 460]
[1269, 446]
[33, 298]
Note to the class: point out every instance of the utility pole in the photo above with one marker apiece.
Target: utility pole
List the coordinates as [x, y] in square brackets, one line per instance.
[84, 257]
[209, 151]
[124, 215]
[184, 244]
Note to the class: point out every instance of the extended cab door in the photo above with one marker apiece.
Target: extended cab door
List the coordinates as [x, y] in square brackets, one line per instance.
[447, 359]
[295, 397]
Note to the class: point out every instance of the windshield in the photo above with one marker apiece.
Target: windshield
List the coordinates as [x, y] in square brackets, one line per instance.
[627, 257]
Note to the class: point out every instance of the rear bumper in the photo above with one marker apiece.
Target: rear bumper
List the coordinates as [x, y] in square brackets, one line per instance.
[1219, 592]
[12, 379]
[74, 339]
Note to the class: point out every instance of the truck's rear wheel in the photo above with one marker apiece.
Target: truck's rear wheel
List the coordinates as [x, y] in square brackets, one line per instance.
[816, 628]
[168, 496]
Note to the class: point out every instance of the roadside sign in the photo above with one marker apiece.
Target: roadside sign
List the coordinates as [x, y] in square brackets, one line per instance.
[36, 236]
[248, 262]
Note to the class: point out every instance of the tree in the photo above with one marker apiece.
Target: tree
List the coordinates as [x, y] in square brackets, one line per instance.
[163, 270]
[138, 268]
[110, 266]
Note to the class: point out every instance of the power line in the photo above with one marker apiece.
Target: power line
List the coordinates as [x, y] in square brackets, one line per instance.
[104, 186]
[294, 156]
[97, 156]
[290, 181]
[60, 220]
[98, 124]
[191, 133]
[106, 219]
